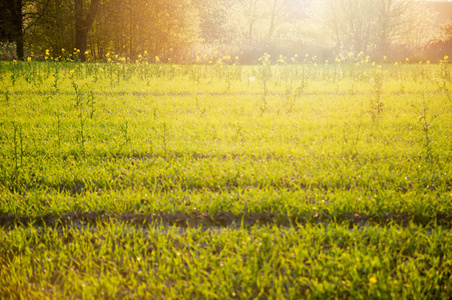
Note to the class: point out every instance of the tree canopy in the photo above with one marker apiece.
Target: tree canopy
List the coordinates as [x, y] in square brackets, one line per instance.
[181, 29]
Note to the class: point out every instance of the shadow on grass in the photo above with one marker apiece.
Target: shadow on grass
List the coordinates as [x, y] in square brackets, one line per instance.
[224, 219]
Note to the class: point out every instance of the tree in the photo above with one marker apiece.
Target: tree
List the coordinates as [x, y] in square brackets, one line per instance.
[257, 22]
[442, 45]
[83, 21]
[12, 24]
[19, 16]
[53, 31]
[446, 31]
[347, 23]
[130, 27]
[401, 23]
[213, 17]
[372, 26]
[277, 13]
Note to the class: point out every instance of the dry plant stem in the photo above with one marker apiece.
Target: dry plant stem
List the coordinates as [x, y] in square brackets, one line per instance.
[426, 120]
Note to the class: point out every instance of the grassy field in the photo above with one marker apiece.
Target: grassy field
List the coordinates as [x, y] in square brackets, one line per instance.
[121, 180]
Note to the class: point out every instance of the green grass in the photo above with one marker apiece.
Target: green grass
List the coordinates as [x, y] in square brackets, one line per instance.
[193, 181]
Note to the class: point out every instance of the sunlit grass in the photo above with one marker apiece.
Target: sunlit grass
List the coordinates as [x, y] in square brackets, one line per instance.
[345, 167]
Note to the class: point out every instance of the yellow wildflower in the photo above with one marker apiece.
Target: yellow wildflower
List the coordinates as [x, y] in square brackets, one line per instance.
[373, 280]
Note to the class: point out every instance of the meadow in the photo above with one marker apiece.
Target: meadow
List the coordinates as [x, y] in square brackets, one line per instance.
[292, 179]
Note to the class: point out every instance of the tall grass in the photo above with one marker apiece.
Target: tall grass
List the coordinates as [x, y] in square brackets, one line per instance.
[288, 179]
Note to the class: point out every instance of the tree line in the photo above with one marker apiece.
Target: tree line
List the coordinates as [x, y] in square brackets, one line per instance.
[181, 29]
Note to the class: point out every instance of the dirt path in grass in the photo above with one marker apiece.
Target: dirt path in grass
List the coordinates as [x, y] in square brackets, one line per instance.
[222, 219]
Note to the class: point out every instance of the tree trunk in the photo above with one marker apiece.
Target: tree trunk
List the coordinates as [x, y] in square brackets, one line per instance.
[20, 45]
[15, 24]
[83, 24]
[131, 33]
[271, 29]
[81, 38]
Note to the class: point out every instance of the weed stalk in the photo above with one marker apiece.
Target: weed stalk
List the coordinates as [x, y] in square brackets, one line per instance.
[376, 103]
[426, 122]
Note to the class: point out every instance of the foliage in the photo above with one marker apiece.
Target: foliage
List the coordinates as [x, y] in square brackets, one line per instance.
[442, 45]
[184, 28]
[446, 31]
[155, 27]
[375, 27]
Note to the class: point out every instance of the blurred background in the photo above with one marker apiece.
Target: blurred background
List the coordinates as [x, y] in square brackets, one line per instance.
[189, 30]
